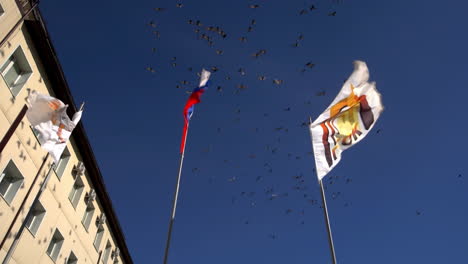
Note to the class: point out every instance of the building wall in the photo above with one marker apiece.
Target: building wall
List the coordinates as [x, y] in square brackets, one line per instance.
[24, 150]
[10, 16]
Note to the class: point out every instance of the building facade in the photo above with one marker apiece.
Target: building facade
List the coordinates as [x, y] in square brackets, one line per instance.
[72, 221]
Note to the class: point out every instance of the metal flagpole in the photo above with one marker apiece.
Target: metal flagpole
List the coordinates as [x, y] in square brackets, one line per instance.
[174, 203]
[327, 221]
[325, 211]
[23, 225]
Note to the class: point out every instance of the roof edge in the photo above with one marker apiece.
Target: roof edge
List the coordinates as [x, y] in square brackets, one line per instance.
[43, 44]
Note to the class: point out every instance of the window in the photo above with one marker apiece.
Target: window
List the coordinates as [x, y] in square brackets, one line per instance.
[107, 251]
[10, 182]
[55, 245]
[62, 163]
[72, 259]
[76, 191]
[35, 219]
[16, 71]
[115, 255]
[88, 215]
[98, 238]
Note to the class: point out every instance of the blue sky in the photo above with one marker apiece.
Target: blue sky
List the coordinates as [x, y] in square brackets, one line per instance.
[236, 158]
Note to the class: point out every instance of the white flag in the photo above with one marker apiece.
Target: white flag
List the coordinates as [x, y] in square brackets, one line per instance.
[346, 121]
[49, 118]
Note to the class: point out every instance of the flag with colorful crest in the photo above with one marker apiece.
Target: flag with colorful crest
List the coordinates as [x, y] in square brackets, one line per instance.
[346, 121]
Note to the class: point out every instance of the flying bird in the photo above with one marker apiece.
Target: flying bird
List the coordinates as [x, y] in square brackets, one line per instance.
[321, 93]
[277, 81]
[232, 179]
[152, 24]
[259, 53]
[242, 86]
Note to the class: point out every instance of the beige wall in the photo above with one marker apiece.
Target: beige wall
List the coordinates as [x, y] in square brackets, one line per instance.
[26, 153]
[9, 18]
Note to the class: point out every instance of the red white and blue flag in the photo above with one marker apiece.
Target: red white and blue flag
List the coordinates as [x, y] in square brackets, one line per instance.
[191, 102]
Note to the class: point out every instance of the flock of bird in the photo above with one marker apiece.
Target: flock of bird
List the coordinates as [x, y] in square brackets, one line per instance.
[269, 193]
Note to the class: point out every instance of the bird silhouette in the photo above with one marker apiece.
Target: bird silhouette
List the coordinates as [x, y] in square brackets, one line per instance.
[277, 81]
[321, 93]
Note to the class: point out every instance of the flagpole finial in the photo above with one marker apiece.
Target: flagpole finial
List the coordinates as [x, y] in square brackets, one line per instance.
[82, 106]
[310, 120]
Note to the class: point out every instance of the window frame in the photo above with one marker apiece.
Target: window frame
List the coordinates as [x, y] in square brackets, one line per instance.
[107, 252]
[74, 200]
[75, 260]
[66, 156]
[57, 242]
[100, 231]
[86, 220]
[34, 220]
[17, 60]
[3, 176]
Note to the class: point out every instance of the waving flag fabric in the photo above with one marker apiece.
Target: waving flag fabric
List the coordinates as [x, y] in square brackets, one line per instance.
[346, 121]
[191, 102]
[49, 118]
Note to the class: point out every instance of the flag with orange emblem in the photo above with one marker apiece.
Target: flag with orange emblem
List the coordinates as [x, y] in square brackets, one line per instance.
[346, 121]
[48, 116]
